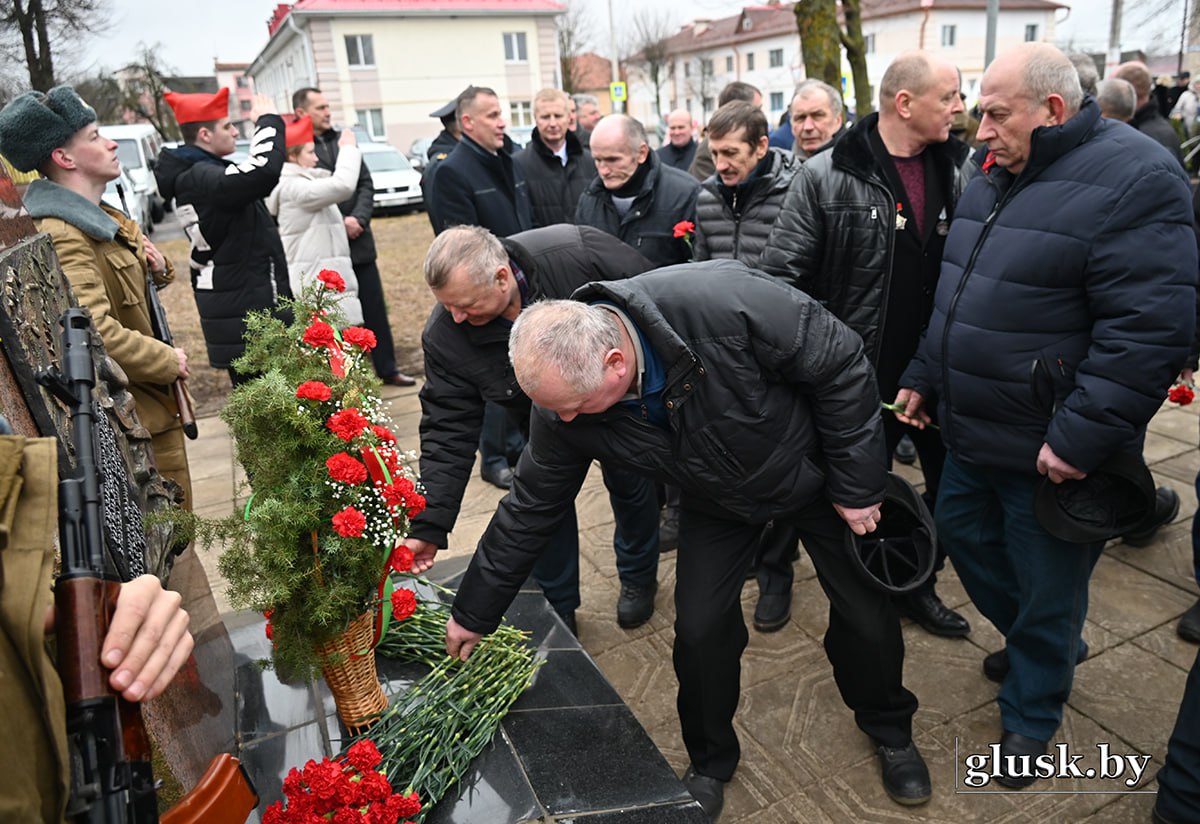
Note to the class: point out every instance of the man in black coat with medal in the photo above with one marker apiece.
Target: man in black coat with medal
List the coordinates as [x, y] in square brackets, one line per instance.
[903, 172]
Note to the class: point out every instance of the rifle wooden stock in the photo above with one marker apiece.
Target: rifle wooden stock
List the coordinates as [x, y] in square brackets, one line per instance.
[223, 795]
[187, 415]
[112, 780]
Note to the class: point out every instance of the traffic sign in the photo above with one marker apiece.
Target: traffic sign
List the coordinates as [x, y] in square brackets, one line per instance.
[617, 92]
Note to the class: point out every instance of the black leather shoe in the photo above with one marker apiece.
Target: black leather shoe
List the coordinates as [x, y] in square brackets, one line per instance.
[773, 611]
[996, 665]
[568, 618]
[1017, 753]
[501, 477]
[668, 530]
[906, 453]
[927, 609]
[635, 605]
[1188, 627]
[400, 379]
[905, 776]
[710, 792]
[1166, 507]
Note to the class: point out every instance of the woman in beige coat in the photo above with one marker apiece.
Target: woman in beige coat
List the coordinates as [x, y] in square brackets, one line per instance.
[305, 205]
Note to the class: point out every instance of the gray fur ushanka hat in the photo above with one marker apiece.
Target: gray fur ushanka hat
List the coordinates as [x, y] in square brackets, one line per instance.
[35, 124]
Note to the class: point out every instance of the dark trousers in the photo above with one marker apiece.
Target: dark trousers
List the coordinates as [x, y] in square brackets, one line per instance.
[863, 643]
[1179, 779]
[1196, 538]
[375, 317]
[500, 439]
[1032, 586]
[635, 541]
[932, 452]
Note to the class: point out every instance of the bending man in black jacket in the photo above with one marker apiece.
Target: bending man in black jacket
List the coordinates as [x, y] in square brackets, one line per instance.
[356, 212]
[482, 284]
[760, 405]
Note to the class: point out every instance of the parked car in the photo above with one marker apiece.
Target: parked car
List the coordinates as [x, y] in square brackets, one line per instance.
[418, 153]
[397, 183]
[138, 145]
[136, 205]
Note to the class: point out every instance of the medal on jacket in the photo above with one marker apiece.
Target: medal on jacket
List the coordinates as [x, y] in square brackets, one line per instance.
[943, 225]
[901, 220]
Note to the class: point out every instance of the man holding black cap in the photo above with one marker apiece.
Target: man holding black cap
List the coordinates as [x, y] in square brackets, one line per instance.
[356, 214]
[1058, 324]
[759, 404]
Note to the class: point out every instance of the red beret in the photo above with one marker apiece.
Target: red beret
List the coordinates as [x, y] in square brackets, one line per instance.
[198, 108]
[300, 132]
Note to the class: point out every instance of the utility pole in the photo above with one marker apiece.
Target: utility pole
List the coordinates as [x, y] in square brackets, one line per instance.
[989, 47]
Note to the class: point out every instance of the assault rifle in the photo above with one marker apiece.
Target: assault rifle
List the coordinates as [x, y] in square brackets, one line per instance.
[111, 777]
[158, 322]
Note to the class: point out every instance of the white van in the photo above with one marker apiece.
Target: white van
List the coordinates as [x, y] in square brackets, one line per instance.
[138, 145]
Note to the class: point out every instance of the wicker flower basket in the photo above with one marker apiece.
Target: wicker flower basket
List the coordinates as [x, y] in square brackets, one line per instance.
[348, 664]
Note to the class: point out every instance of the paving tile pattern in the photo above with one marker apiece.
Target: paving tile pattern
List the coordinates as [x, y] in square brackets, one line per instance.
[803, 759]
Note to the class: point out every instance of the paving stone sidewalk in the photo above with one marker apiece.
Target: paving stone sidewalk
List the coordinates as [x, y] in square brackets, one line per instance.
[803, 759]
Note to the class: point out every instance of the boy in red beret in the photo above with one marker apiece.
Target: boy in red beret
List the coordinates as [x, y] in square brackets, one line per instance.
[237, 261]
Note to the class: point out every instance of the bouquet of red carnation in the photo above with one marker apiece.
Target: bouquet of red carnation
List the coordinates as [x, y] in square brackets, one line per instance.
[1182, 394]
[332, 493]
[346, 790]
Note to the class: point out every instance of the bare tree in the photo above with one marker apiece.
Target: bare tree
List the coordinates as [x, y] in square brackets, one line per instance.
[104, 94]
[574, 39]
[33, 31]
[144, 83]
[650, 50]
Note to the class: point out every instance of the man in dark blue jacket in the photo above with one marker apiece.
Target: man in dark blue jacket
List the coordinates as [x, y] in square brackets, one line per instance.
[760, 405]
[1064, 310]
[478, 184]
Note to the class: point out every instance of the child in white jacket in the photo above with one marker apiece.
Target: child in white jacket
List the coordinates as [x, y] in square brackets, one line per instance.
[305, 205]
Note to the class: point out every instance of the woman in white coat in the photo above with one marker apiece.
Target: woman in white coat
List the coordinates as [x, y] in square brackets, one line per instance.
[305, 205]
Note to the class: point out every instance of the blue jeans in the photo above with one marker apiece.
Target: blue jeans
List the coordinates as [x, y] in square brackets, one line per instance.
[1196, 537]
[1179, 779]
[1032, 586]
[635, 541]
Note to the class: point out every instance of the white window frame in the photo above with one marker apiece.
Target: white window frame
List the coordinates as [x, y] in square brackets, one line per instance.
[949, 36]
[1031, 29]
[520, 113]
[365, 60]
[749, 61]
[775, 58]
[776, 101]
[372, 121]
[870, 43]
[515, 47]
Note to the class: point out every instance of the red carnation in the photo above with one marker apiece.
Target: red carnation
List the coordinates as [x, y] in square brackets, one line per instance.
[398, 493]
[1181, 394]
[401, 559]
[346, 816]
[374, 787]
[274, 814]
[319, 335]
[404, 603]
[332, 280]
[409, 804]
[363, 755]
[684, 228]
[358, 336]
[349, 523]
[415, 503]
[313, 391]
[383, 433]
[347, 424]
[345, 469]
[270, 631]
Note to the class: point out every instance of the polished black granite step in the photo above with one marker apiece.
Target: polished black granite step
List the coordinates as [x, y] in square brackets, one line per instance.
[568, 751]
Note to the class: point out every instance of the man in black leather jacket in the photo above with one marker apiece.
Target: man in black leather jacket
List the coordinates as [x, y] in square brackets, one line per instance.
[862, 231]
[482, 284]
[760, 405]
